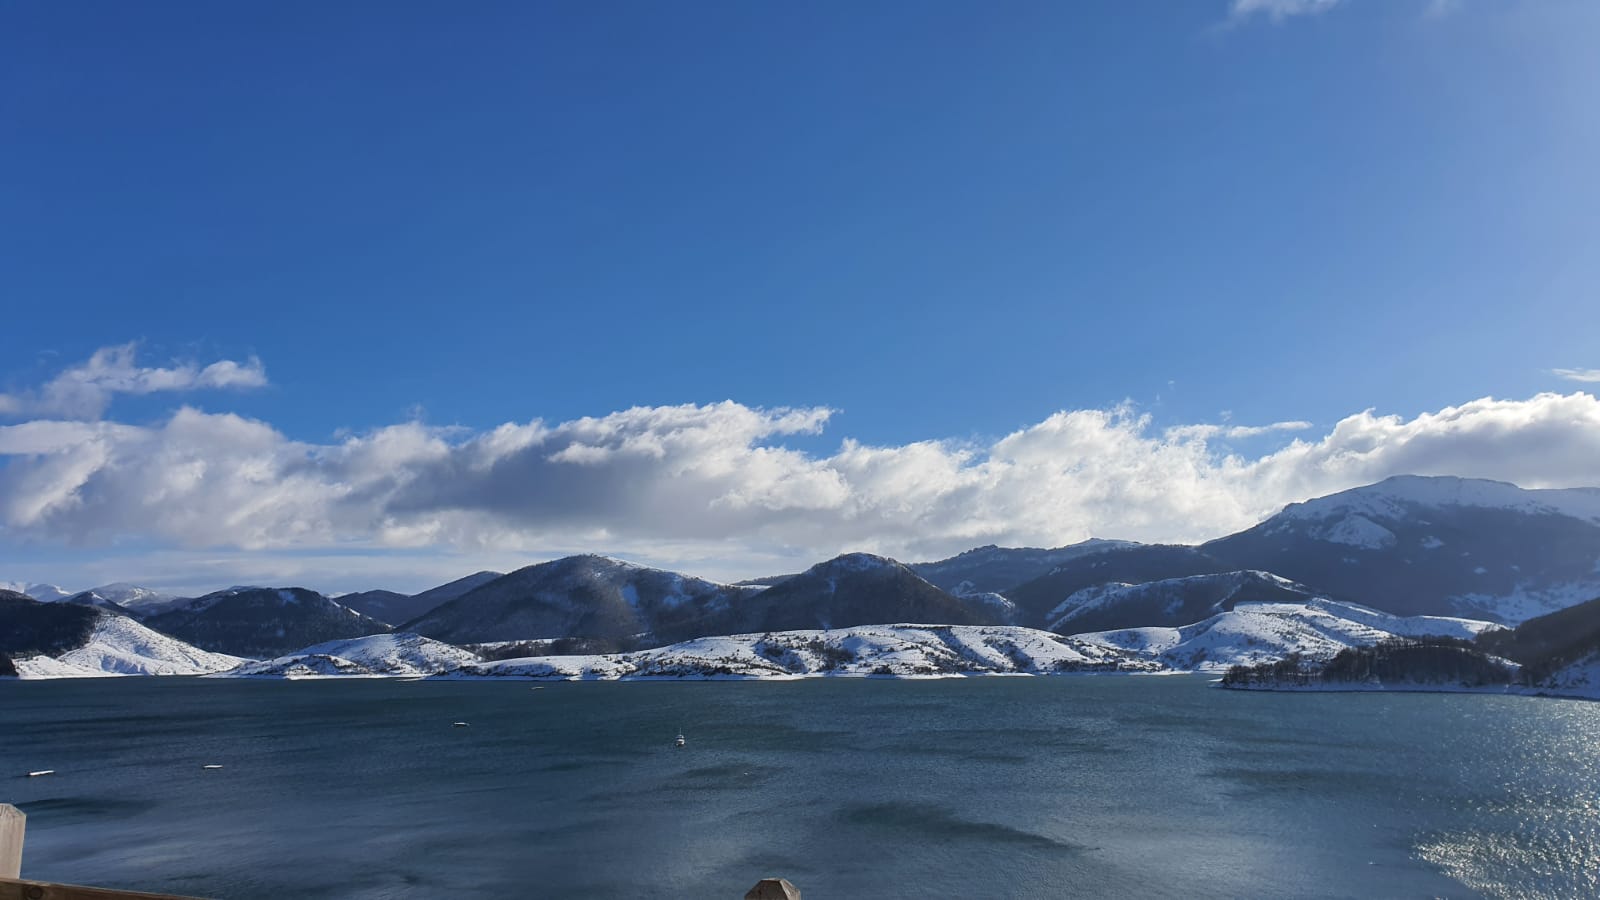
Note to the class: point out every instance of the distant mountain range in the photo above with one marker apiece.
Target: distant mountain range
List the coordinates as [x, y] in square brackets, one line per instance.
[1446, 548]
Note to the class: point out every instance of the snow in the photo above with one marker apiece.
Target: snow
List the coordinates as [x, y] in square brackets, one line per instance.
[1357, 531]
[120, 646]
[1525, 601]
[378, 654]
[44, 593]
[45, 667]
[1579, 679]
[1254, 633]
[1388, 498]
[900, 650]
[133, 596]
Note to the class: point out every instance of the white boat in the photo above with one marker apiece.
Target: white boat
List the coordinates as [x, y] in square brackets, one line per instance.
[680, 741]
[459, 724]
[211, 766]
[41, 772]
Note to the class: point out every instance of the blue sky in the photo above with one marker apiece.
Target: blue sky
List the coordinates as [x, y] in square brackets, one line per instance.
[939, 222]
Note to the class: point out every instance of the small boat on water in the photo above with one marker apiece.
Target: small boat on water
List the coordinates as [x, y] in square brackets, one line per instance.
[41, 772]
[211, 766]
[460, 725]
[680, 741]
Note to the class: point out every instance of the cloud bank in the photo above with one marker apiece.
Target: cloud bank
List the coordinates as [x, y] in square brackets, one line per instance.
[1585, 375]
[695, 483]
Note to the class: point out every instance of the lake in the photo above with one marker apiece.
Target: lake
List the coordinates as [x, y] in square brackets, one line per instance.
[1087, 786]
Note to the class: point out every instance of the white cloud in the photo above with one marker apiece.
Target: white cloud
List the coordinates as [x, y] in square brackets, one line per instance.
[1585, 375]
[1278, 10]
[711, 488]
[85, 391]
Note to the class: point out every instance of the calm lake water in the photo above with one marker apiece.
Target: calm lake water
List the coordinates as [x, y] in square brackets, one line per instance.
[985, 787]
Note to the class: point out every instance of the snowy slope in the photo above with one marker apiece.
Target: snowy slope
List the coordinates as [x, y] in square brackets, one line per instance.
[120, 646]
[1394, 498]
[900, 650]
[1266, 632]
[378, 654]
[1579, 679]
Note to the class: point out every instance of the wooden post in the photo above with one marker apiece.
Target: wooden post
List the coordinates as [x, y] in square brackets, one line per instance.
[773, 889]
[12, 822]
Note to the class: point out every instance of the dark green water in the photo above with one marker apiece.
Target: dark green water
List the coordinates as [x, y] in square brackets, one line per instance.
[991, 787]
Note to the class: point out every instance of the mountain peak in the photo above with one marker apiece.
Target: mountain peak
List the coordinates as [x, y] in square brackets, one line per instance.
[854, 562]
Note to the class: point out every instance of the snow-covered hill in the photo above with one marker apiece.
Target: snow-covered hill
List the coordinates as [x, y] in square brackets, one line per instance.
[118, 645]
[1578, 679]
[378, 654]
[899, 650]
[1255, 633]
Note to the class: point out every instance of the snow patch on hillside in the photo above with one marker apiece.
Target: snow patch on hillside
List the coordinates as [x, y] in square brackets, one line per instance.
[378, 654]
[1357, 531]
[1579, 679]
[1526, 601]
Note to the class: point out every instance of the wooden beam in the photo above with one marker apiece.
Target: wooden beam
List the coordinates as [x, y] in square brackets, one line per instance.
[17, 889]
[12, 824]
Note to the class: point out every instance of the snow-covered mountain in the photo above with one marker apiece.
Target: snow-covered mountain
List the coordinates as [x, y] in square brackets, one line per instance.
[263, 622]
[1170, 601]
[1255, 633]
[992, 569]
[44, 593]
[1435, 545]
[62, 640]
[141, 601]
[90, 598]
[378, 654]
